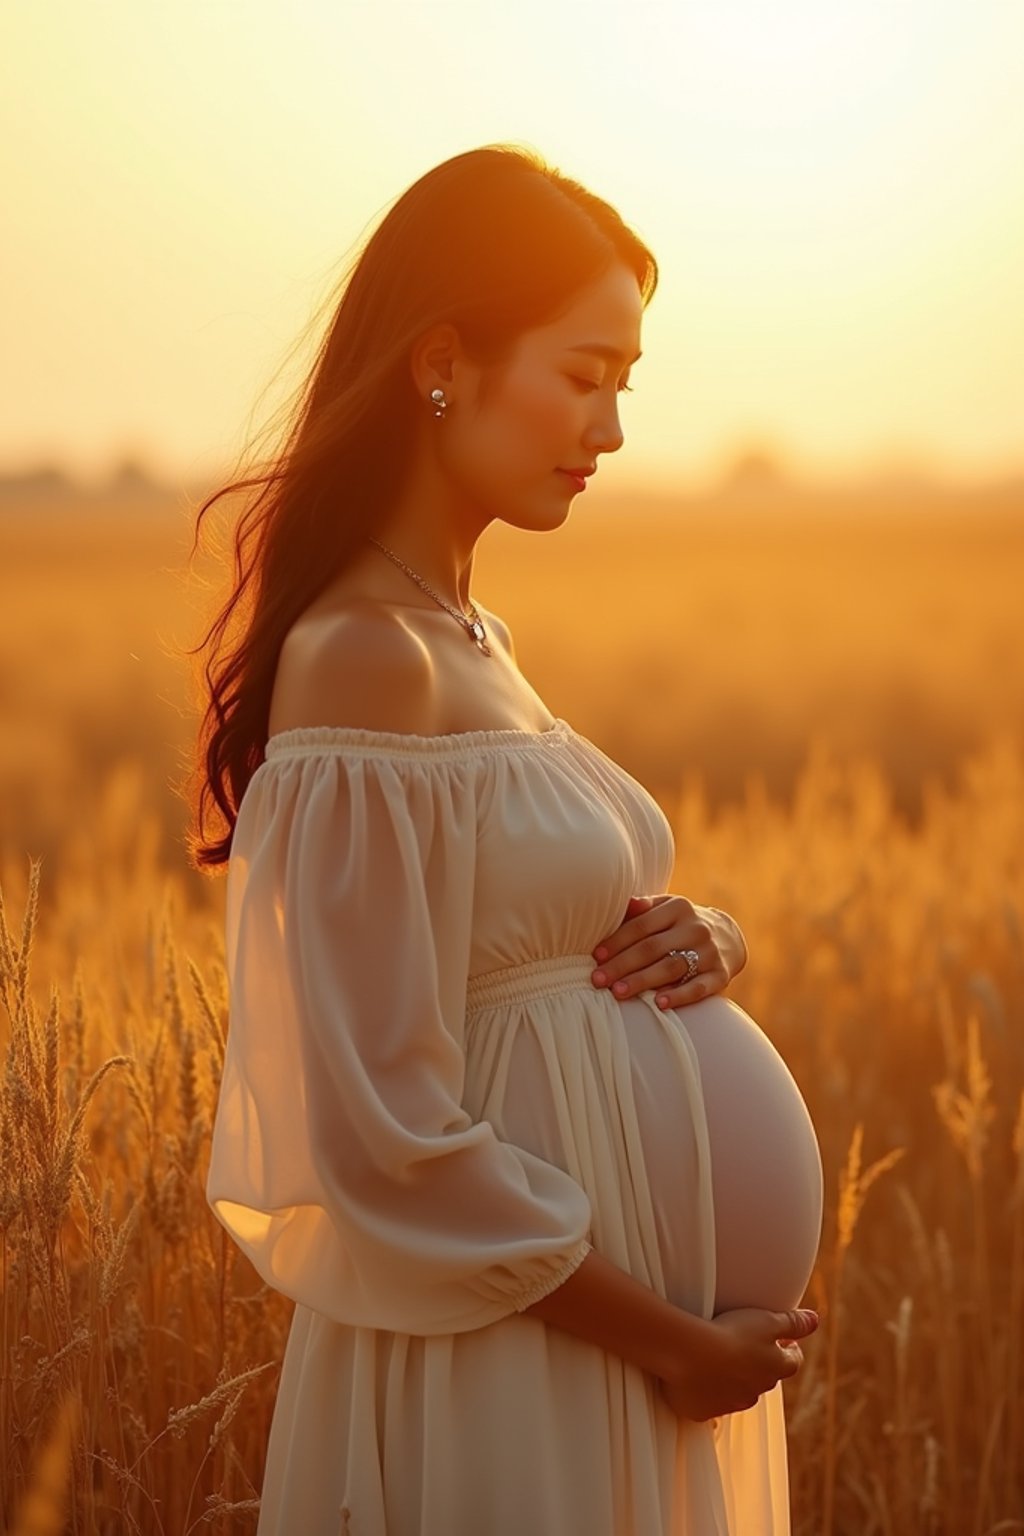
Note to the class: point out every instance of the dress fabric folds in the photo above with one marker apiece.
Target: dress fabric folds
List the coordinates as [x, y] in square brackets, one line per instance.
[428, 1115]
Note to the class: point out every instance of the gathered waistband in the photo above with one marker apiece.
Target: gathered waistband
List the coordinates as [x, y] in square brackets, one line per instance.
[532, 978]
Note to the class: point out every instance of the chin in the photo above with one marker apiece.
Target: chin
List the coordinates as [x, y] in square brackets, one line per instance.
[543, 520]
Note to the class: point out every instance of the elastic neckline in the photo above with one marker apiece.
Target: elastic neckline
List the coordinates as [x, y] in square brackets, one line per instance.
[285, 743]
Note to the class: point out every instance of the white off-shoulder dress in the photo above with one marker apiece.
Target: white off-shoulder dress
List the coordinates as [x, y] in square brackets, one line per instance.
[428, 1114]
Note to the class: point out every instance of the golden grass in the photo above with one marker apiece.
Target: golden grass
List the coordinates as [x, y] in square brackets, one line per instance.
[886, 963]
[112, 1270]
[122, 1295]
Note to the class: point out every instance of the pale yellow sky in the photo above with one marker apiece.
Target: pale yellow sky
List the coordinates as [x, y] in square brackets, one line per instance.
[834, 192]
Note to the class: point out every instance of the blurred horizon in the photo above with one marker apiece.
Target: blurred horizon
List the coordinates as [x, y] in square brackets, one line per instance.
[754, 470]
[730, 638]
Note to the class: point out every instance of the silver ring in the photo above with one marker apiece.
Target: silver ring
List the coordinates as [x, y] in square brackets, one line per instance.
[691, 957]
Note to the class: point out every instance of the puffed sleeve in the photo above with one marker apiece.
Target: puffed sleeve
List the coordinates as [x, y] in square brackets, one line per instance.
[342, 1162]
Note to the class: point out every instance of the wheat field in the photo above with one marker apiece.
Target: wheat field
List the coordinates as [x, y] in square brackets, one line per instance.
[828, 704]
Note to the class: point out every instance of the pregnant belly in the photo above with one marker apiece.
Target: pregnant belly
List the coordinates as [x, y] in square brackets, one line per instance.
[766, 1165]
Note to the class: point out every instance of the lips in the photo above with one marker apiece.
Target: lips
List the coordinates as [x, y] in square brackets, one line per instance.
[577, 480]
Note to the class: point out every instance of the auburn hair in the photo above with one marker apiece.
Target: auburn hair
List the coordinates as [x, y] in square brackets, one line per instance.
[495, 241]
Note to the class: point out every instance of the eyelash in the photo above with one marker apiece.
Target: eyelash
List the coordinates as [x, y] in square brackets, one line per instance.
[589, 384]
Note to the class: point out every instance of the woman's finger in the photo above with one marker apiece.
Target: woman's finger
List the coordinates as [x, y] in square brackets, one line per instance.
[704, 984]
[664, 975]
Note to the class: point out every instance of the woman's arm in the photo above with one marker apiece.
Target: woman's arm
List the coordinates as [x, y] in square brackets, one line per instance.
[604, 1304]
[703, 1368]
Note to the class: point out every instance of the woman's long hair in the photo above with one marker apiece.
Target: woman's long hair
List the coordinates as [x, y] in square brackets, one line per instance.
[494, 241]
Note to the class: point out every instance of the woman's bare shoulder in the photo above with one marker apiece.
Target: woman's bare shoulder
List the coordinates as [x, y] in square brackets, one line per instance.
[358, 665]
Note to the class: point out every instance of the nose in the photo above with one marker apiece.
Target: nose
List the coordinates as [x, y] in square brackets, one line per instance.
[609, 436]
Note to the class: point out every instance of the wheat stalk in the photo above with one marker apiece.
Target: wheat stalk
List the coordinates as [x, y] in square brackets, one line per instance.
[853, 1188]
[967, 1117]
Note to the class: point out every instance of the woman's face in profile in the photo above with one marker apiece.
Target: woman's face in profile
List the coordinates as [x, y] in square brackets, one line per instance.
[553, 406]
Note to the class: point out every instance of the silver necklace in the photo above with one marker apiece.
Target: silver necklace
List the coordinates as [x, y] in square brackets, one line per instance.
[473, 625]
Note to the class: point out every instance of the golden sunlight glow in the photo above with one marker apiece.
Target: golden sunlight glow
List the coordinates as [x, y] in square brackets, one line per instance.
[833, 192]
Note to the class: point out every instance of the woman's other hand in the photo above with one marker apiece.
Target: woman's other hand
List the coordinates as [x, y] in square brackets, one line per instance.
[635, 957]
[747, 1351]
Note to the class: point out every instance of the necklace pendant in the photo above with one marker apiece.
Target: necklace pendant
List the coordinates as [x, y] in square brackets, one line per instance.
[479, 634]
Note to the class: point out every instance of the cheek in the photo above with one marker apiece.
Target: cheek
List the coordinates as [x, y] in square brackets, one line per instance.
[525, 433]
[543, 419]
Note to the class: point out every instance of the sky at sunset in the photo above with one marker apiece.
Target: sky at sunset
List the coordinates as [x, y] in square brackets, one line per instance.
[834, 193]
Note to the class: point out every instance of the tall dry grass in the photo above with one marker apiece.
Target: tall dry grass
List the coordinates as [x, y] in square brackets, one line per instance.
[887, 964]
[827, 699]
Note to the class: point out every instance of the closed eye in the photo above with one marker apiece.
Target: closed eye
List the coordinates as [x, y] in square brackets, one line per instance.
[588, 384]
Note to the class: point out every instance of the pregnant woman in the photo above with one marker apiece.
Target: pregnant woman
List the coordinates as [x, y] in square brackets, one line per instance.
[545, 1201]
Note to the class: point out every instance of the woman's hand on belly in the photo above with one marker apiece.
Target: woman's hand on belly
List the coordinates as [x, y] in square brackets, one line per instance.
[745, 1352]
[635, 957]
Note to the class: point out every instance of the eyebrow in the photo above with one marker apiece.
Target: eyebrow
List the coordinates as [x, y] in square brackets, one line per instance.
[601, 349]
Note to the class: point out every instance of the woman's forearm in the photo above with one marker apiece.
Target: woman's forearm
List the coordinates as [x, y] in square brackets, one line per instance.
[611, 1308]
